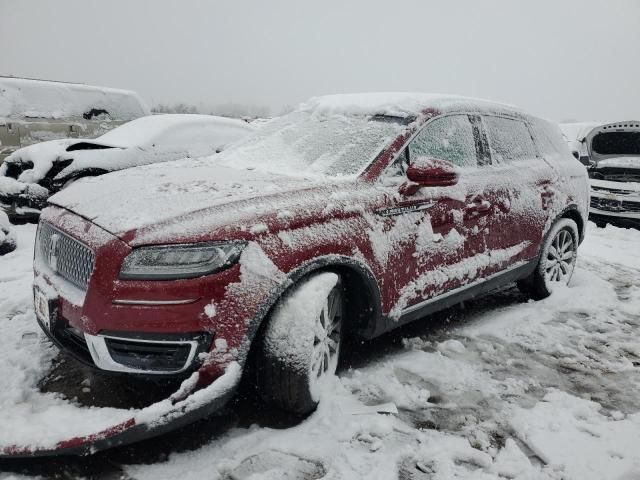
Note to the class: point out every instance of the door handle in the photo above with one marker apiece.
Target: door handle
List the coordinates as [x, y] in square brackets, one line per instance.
[546, 193]
[479, 206]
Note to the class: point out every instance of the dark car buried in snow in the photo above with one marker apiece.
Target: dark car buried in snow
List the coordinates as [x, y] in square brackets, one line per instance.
[31, 174]
[7, 237]
[346, 218]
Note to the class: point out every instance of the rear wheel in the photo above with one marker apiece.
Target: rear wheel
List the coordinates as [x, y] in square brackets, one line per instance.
[301, 344]
[557, 260]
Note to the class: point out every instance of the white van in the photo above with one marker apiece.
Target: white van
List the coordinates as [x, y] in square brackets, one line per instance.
[34, 111]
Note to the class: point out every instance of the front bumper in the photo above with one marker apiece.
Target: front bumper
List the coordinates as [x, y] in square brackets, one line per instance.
[615, 207]
[140, 354]
[161, 327]
[179, 410]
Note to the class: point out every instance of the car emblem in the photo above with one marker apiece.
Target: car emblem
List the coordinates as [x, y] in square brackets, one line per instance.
[53, 254]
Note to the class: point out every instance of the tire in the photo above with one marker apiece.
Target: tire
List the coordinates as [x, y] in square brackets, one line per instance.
[600, 223]
[301, 344]
[554, 268]
[7, 246]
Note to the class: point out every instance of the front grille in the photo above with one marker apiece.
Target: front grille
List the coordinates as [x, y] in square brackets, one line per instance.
[612, 190]
[631, 206]
[611, 205]
[65, 256]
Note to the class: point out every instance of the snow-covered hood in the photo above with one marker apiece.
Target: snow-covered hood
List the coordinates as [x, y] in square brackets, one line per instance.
[173, 195]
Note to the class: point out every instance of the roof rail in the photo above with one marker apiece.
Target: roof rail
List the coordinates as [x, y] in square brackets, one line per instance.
[40, 80]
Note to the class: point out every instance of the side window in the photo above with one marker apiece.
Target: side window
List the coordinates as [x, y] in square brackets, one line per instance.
[176, 138]
[448, 138]
[509, 140]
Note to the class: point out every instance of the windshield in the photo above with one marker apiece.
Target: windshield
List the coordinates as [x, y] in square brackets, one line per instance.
[616, 143]
[136, 133]
[304, 142]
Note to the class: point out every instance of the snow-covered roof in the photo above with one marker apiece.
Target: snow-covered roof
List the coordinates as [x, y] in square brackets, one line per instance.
[395, 103]
[145, 129]
[20, 98]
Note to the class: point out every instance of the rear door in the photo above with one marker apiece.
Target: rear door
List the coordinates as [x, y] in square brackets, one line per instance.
[520, 188]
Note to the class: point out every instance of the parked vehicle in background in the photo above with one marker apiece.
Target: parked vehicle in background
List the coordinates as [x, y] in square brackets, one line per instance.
[346, 218]
[7, 237]
[574, 134]
[612, 154]
[30, 175]
[33, 111]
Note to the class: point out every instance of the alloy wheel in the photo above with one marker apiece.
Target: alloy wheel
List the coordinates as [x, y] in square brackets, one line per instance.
[327, 334]
[560, 258]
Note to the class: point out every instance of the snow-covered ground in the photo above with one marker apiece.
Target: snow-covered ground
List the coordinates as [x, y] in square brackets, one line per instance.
[503, 388]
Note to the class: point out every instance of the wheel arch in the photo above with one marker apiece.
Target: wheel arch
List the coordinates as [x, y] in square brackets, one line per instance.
[364, 306]
[572, 213]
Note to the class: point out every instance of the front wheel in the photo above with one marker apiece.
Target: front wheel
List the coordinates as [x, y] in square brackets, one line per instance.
[301, 344]
[557, 260]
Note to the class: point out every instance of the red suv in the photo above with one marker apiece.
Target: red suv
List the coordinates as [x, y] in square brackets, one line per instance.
[349, 217]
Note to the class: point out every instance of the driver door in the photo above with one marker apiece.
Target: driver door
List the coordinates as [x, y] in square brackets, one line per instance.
[435, 233]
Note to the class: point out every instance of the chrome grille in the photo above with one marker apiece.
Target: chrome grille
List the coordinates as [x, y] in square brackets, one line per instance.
[613, 205]
[64, 255]
[612, 190]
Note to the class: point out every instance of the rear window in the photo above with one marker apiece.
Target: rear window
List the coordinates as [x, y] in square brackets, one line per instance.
[509, 140]
[616, 143]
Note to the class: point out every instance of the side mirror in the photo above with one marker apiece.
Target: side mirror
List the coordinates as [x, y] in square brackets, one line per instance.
[429, 172]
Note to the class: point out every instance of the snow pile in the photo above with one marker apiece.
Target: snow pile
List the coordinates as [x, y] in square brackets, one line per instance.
[20, 98]
[10, 186]
[7, 236]
[562, 424]
[42, 155]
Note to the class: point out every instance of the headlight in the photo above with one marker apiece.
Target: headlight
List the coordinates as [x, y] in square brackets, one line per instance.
[191, 260]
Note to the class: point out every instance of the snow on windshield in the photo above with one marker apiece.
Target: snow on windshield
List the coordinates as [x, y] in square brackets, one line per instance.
[333, 145]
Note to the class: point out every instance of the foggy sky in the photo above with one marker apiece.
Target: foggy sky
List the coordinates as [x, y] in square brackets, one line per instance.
[561, 59]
